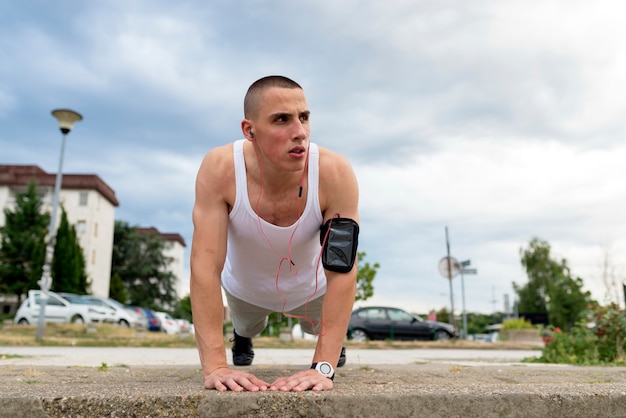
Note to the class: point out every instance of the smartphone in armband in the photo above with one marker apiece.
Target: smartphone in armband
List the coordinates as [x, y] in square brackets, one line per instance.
[339, 238]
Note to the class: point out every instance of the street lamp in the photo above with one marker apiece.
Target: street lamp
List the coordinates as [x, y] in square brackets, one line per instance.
[66, 119]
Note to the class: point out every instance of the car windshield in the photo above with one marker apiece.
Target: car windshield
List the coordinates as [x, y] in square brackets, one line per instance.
[116, 304]
[109, 303]
[98, 302]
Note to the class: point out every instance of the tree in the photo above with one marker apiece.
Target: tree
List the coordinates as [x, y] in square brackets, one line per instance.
[23, 245]
[477, 323]
[364, 278]
[612, 280]
[139, 261]
[117, 290]
[551, 290]
[183, 309]
[443, 315]
[68, 263]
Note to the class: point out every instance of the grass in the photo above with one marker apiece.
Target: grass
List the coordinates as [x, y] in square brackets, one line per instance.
[107, 335]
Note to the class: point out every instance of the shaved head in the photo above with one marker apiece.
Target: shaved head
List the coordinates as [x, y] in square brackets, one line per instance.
[252, 101]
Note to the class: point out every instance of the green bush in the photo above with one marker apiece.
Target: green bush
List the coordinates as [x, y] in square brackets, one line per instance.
[597, 339]
[519, 323]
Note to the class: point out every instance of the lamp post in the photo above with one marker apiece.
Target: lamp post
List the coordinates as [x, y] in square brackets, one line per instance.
[66, 119]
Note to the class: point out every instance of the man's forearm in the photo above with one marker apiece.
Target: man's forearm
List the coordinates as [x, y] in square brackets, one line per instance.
[338, 303]
[208, 313]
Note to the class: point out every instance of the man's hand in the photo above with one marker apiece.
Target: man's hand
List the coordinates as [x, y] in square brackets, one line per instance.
[303, 380]
[223, 379]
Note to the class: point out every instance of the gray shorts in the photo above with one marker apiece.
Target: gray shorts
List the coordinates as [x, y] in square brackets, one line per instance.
[249, 320]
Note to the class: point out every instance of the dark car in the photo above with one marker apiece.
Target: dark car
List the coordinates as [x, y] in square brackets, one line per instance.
[380, 323]
[153, 323]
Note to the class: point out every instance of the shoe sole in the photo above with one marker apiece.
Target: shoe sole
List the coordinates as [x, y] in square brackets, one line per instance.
[242, 359]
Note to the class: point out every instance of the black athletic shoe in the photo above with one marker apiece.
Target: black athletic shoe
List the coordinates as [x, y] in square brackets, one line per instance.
[243, 354]
[342, 357]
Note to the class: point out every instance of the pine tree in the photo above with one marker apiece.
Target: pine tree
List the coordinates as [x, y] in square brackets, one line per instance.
[68, 263]
[23, 245]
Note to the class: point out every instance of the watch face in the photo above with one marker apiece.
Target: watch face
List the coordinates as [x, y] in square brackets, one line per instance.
[325, 368]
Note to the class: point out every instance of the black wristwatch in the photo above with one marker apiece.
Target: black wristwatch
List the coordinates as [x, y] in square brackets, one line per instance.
[325, 369]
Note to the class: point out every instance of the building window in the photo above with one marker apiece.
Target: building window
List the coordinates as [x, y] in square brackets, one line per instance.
[81, 227]
[82, 198]
[95, 229]
[93, 257]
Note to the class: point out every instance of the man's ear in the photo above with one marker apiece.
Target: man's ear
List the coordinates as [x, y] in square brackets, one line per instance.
[246, 128]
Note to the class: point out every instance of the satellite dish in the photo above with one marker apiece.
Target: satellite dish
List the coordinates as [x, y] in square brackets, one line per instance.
[453, 267]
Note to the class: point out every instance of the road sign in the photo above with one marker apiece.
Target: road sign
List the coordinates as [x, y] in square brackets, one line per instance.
[469, 271]
[449, 269]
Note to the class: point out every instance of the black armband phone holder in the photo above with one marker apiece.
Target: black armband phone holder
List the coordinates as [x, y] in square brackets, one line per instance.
[339, 238]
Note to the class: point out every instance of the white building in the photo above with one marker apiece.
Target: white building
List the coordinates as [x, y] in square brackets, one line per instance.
[175, 254]
[90, 206]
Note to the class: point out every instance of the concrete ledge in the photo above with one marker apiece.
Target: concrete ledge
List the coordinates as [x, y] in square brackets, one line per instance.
[433, 390]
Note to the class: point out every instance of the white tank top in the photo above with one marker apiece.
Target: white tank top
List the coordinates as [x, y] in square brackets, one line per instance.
[251, 270]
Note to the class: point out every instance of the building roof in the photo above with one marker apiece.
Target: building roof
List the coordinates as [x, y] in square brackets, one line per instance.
[21, 175]
[168, 236]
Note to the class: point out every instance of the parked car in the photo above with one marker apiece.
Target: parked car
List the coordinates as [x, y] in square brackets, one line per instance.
[380, 322]
[168, 324]
[147, 315]
[103, 314]
[121, 314]
[184, 325]
[58, 309]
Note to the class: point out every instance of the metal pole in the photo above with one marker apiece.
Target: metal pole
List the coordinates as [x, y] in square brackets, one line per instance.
[452, 321]
[46, 278]
[464, 312]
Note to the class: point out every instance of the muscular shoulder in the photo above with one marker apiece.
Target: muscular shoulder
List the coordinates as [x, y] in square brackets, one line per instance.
[333, 165]
[338, 184]
[217, 172]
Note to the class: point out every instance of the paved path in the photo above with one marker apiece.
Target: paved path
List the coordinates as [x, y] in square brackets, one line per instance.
[96, 356]
[69, 381]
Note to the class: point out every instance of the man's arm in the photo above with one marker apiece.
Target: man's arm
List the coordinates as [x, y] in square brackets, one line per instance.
[208, 253]
[340, 197]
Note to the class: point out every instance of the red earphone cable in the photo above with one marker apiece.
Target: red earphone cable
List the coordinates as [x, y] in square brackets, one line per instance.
[292, 266]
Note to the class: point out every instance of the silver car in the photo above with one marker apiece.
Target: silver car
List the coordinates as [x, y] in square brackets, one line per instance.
[121, 314]
[58, 309]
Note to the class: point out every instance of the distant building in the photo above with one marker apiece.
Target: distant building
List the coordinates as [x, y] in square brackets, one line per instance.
[90, 206]
[175, 254]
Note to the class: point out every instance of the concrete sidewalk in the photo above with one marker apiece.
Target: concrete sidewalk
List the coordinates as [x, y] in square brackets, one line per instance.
[136, 356]
[409, 390]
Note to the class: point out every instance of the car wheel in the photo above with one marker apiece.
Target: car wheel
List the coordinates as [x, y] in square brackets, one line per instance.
[441, 335]
[359, 336]
[124, 323]
[77, 319]
[23, 321]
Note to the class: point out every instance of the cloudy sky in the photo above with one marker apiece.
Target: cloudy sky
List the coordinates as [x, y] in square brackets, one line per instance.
[500, 120]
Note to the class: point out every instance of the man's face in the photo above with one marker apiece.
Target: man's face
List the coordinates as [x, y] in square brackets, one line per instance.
[281, 127]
